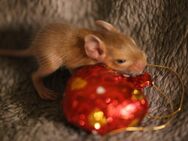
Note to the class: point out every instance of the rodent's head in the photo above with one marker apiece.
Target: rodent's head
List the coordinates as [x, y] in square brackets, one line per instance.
[116, 50]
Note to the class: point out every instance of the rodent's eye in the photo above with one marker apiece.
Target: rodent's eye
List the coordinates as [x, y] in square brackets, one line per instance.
[120, 61]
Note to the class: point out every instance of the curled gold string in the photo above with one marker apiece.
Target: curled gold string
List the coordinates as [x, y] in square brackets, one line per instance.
[169, 116]
[182, 87]
[170, 102]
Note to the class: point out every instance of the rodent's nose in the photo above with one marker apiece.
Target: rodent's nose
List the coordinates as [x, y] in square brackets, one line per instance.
[139, 66]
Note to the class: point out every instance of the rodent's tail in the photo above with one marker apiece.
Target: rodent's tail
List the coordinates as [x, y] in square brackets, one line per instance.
[16, 53]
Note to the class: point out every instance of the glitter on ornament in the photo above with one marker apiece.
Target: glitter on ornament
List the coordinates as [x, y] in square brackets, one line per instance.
[136, 92]
[137, 95]
[101, 90]
[78, 83]
[97, 119]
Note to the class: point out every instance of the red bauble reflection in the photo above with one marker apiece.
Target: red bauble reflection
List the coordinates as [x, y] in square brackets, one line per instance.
[102, 100]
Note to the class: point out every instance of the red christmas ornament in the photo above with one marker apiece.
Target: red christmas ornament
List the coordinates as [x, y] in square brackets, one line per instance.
[102, 100]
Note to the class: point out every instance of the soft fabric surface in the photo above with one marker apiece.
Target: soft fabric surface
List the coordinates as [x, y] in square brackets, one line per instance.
[158, 26]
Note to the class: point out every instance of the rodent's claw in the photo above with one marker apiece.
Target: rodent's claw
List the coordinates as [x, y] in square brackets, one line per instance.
[48, 94]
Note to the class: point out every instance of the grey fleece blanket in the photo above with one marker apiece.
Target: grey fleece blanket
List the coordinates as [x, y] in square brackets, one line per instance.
[158, 26]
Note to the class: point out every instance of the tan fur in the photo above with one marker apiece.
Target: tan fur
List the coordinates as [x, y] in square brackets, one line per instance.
[62, 45]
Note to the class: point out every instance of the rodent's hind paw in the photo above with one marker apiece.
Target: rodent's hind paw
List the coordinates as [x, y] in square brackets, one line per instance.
[48, 94]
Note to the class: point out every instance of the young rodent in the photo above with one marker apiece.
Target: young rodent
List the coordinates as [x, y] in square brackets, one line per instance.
[63, 45]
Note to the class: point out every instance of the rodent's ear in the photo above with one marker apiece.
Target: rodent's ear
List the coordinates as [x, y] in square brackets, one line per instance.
[94, 47]
[106, 25]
